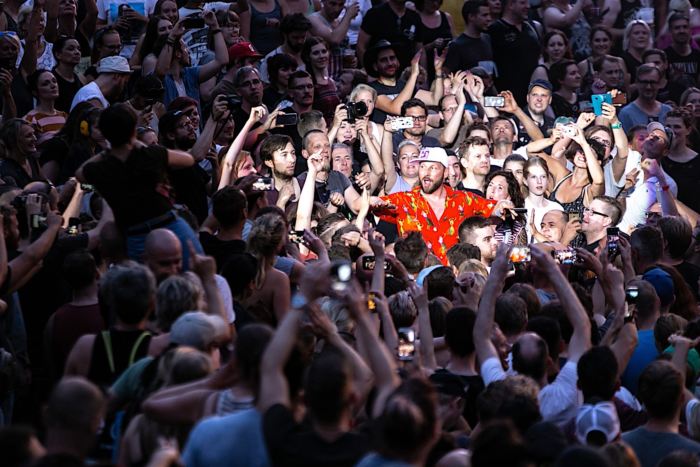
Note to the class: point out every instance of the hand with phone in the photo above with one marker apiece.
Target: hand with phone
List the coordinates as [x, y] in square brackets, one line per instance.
[509, 104]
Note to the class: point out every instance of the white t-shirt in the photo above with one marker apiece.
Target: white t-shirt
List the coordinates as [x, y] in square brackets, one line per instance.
[226, 297]
[88, 92]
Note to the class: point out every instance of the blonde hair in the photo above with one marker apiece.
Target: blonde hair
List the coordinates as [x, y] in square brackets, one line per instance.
[628, 32]
[363, 87]
[475, 266]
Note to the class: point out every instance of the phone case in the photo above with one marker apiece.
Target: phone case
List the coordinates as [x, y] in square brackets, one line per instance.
[402, 123]
[597, 101]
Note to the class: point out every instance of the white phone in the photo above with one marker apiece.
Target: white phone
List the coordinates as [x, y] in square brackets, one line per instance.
[402, 123]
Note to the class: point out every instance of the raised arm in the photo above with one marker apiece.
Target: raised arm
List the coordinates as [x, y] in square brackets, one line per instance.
[433, 97]
[594, 168]
[554, 18]
[209, 70]
[451, 130]
[425, 329]
[334, 35]
[393, 106]
[165, 57]
[305, 205]
[25, 265]
[29, 58]
[511, 106]
[485, 317]
[256, 114]
[387, 152]
[619, 162]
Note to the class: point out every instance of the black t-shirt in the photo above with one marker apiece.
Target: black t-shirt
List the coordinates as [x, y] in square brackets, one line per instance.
[403, 32]
[382, 89]
[686, 176]
[221, 250]
[683, 65]
[523, 137]
[562, 107]
[130, 187]
[691, 275]
[292, 444]
[190, 186]
[516, 52]
[467, 52]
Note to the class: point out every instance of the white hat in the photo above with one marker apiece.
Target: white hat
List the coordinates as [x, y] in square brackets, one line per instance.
[601, 417]
[432, 155]
[113, 64]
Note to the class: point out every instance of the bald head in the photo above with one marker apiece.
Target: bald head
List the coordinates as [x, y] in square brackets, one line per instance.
[75, 405]
[163, 253]
[530, 355]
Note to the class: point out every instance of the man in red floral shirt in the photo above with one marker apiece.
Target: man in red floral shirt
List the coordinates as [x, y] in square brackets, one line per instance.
[433, 208]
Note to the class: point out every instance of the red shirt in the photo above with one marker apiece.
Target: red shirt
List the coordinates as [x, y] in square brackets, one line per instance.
[413, 212]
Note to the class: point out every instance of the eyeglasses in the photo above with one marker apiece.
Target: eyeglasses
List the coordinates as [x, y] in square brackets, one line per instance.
[418, 118]
[591, 211]
[250, 83]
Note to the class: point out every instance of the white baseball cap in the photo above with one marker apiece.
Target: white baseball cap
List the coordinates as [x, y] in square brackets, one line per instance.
[113, 64]
[438, 155]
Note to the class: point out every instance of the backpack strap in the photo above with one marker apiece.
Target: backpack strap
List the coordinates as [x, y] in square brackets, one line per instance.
[137, 344]
[107, 339]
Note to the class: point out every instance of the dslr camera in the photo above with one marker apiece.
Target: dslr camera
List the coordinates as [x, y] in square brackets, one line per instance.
[355, 110]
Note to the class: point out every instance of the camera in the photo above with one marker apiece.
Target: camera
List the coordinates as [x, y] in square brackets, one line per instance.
[631, 294]
[355, 110]
[193, 22]
[233, 101]
[296, 236]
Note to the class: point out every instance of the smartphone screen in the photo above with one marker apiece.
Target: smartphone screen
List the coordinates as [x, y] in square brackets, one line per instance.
[287, 119]
[407, 346]
[613, 241]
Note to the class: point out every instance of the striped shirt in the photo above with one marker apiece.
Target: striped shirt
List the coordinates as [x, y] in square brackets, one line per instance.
[46, 125]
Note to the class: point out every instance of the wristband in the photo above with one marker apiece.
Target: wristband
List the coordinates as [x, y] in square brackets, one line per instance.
[665, 187]
[616, 126]
[170, 42]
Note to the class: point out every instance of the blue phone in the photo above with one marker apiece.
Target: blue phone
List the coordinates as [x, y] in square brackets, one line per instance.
[597, 101]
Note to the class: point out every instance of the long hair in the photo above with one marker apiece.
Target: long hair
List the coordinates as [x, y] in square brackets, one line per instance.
[567, 45]
[306, 53]
[264, 241]
[151, 36]
[628, 33]
[9, 137]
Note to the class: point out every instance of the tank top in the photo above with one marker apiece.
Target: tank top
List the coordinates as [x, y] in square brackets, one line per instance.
[66, 91]
[326, 99]
[441, 32]
[114, 351]
[575, 205]
[265, 38]
[227, 403]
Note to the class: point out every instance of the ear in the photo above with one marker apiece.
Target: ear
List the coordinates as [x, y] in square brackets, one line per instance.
[463, 161]
[268, 164]
[305, 154]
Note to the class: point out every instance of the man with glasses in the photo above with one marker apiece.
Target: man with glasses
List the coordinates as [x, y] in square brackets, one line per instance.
[417, 110]
[603, 212]
[645, 108]
[454, 118]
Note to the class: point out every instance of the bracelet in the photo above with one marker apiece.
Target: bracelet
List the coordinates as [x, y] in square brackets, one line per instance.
[170, 42]
[616, 126]
[665, 188]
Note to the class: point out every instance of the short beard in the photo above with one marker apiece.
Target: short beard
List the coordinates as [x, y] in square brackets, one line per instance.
[281, 175]
[185, 143]
[432, 188]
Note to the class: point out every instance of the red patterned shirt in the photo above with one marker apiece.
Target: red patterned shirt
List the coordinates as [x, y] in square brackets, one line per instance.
[413, 212]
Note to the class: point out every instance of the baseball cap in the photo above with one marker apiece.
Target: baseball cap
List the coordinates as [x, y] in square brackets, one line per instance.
[601, 417]
[197, 329]
[542, 83]
[113, 64]
[432, 155]
[242, 50]
[449, 383]
[666, 130]
[663, 284]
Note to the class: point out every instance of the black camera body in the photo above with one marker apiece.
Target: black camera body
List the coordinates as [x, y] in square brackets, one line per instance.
[355, 110]
[233, 101]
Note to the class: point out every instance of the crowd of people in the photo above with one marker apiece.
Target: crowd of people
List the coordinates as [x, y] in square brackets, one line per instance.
[350, 233]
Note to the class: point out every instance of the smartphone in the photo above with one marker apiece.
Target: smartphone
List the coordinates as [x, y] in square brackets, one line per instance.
[37, 221]
[193, 22]
[631, 294]
[407, 344]
[494, 101]
[597, 100]
[369, 261]
[371, 304]
[575, 216]
[613, 241]
[569, 131]
[287, 119]
[402, 123]
[520, 254]
[296, 236]
[567, 256]
[341, 273]
[264, 184]
[87, 187]
[73, 226]
[620, 99]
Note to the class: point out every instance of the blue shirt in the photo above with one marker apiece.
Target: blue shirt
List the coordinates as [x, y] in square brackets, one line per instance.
[631, 115]
[234, 440]
[644, 354]
[190, 78]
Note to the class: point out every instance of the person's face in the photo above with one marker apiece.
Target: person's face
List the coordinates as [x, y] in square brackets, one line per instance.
[431, 6]
[70, 53]
[111, 45]
[247, 167]
[520, 8]
[27, 140]
[68, 8]
[556, 48]
[538, 99]
[603, 138]
[638, 139]
[600, 43]
[483, 18]
[342, 161]
[302, 91]
[47, 86]
[498, 188]
[8, 50]
[572, 78]
[165, 262]
[503, 132]
[593, 222]
[680, 131]
[693, 100]
[169, 10]
[250, 88]
[449, 107]
[332, 8]
[185, 134]
[495, 8]
[231, 31]
[149, 138]
[454, 173]
[419, 121]
[486, 242]
[366, 97]
[387, 64]
[516, 168]
[654, 145]
[680, 31]
[283, 77]
[319, 56]
[283, 162]
[431, 175]
[344, 84]
[296, 39]
[648, 85]
[193, 113]
[658, 61]
[164, 27]
[407, 154]
[552, 226]
[536, 180]
[346, 133]
[477, 160]
[227, 132]
[481, 134]
[579, 160]
[318, 144]
[639, 37]
[612, 74]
